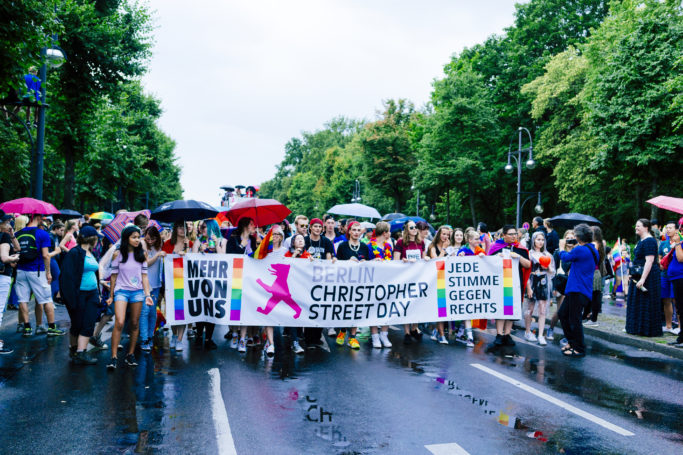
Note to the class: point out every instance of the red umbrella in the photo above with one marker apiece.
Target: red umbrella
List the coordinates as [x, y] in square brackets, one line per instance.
[262, 211]
[29, 206]
[672, 204]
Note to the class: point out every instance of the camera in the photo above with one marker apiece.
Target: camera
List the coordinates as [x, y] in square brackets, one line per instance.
[572, 242]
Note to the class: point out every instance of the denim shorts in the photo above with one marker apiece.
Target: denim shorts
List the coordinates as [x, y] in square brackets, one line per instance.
[122, 295]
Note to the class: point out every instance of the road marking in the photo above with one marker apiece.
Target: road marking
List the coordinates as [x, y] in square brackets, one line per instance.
[555, 401]
[447, 449]
[226, 446]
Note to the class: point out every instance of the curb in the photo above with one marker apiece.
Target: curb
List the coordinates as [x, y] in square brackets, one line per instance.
[626, 340]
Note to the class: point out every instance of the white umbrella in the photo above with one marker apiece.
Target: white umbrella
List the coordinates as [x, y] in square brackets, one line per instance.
[368, 225]
[357, 210]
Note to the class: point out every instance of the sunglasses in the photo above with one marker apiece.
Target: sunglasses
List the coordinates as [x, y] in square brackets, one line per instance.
[412, 227]
[303, 225]
[511, 233]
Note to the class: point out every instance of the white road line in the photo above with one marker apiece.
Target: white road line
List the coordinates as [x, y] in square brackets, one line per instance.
[555, 401]
[447, 449]
[226, 446]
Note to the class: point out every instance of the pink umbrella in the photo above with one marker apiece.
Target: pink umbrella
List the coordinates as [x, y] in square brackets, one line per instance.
[29, 206]
[113, 230]
[262, 211]
[672, 204]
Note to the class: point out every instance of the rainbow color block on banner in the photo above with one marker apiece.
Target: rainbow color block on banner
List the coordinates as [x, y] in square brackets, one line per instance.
[441, 288]
[236, 294]
[508, 301]
[178, 289]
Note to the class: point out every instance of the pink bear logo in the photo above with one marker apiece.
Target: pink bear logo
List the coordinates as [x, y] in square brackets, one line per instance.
[279, 290]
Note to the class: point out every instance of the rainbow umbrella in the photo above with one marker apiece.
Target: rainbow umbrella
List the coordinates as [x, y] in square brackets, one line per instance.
[115, 227]
[102, 216]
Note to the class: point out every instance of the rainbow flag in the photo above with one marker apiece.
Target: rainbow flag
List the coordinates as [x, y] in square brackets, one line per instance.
[616, 254]
[265, 247]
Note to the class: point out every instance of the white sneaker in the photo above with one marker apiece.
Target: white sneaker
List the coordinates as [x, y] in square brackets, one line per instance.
[331, 332]
[296, 347]
[590, 324]
[676, 331]
[529, 336]
[461, 332]
[541, 341]
[470, 343]
[550, 334]
[435, 335]
[179, 346]
[443, 340]
[384, 338]
[173, 343]
[242, 345]
[672, 331]
[375, 341]
[270, 349]
[233, 342]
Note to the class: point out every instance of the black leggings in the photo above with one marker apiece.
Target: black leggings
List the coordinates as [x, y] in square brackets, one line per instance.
[84, 313]
[570, 317]
[595, 307]
[678, 295]
[205, 326]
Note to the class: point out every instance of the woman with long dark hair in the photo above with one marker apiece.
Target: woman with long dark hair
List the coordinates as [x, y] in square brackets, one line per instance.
[437, 249]
[410, 248]
[155, 262]
[130, 288]
[242, 241]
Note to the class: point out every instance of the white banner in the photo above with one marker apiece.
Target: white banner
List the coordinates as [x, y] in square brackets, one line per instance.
[238, 290]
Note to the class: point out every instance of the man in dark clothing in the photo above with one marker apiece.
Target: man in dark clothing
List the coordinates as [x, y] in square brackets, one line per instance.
[552, 238]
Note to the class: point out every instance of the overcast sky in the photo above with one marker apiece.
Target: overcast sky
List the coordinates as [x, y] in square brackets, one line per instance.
[237, 80]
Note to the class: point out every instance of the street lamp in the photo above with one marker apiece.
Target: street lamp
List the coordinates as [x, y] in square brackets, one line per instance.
[356, 192]
[530, 164]
[417, 204]
[55, 57]
[538, 208]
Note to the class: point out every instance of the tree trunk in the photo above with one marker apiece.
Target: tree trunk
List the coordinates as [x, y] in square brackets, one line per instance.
[448, 206]
[471, 198]
[654, 211]
[69, 173]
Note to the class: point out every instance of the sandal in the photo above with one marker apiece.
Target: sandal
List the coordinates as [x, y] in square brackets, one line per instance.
[573, 353]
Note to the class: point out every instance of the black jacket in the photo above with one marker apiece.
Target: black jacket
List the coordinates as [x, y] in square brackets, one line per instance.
[71, 274]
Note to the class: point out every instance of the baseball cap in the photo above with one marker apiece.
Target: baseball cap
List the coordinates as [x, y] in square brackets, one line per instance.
[316, 221]
[89, 231]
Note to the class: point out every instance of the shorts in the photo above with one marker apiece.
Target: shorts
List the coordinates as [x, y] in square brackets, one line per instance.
[35, 282]
[122, 295]
[667, 287]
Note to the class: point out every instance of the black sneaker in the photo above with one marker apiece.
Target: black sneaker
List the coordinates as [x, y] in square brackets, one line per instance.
[130, 360]
[83, 358]
[113, 363]
[416, 334]
[498, 341]
[72, 351]
[98, 343]
[407, 339]
[209, 345]
[508, 341]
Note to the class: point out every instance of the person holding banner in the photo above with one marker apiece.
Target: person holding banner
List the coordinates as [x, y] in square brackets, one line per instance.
[510, 244]
[439, 249]
[410, 248]
[352, 250]
[318, 246]
[538, 291]
[155, 261]
[471, 248]
[381, 250]
[130, 287]
[242, 241]
[180, 244]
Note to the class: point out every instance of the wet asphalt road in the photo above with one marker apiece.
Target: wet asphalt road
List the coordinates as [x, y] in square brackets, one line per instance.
[390, 401]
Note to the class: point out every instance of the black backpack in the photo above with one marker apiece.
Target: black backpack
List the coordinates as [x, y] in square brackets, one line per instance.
[28, 249]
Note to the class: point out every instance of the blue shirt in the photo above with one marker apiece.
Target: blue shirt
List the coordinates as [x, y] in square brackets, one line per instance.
[89, 279]
[42, 241]
[675, 270]
[583, 266]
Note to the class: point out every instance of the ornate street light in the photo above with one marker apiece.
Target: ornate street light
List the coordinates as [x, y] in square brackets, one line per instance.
[530, 164]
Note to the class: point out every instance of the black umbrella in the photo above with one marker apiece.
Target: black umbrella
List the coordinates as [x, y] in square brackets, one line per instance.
[189, 210]
[68, 214]
[393, 216]
[569, 220]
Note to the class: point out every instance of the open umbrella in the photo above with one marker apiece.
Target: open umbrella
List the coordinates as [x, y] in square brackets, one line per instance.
[672, 204]
[355, 210]
[189, 210]
[29, 206]
[262, 211]
[397, 224]
[102, 216]
[569, 220]
[393, 216]
[68, 214]
[368, 225]
[114, 228]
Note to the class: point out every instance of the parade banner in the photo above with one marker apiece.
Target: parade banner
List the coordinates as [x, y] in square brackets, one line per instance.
[239, 290]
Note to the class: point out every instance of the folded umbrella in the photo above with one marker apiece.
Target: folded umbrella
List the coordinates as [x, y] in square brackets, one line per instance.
[188, 210]
[672, 204]
[29, 206]
[262, 211]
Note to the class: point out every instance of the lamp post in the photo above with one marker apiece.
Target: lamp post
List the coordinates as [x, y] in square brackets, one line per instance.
[55, 57]
[417, 204]
[530, 164]
[356, 192]
[538, 208]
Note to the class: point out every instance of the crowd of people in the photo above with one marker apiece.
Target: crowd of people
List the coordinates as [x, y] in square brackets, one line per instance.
[73, 264]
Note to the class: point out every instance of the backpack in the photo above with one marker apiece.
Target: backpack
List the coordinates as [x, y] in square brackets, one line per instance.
[28, 249]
